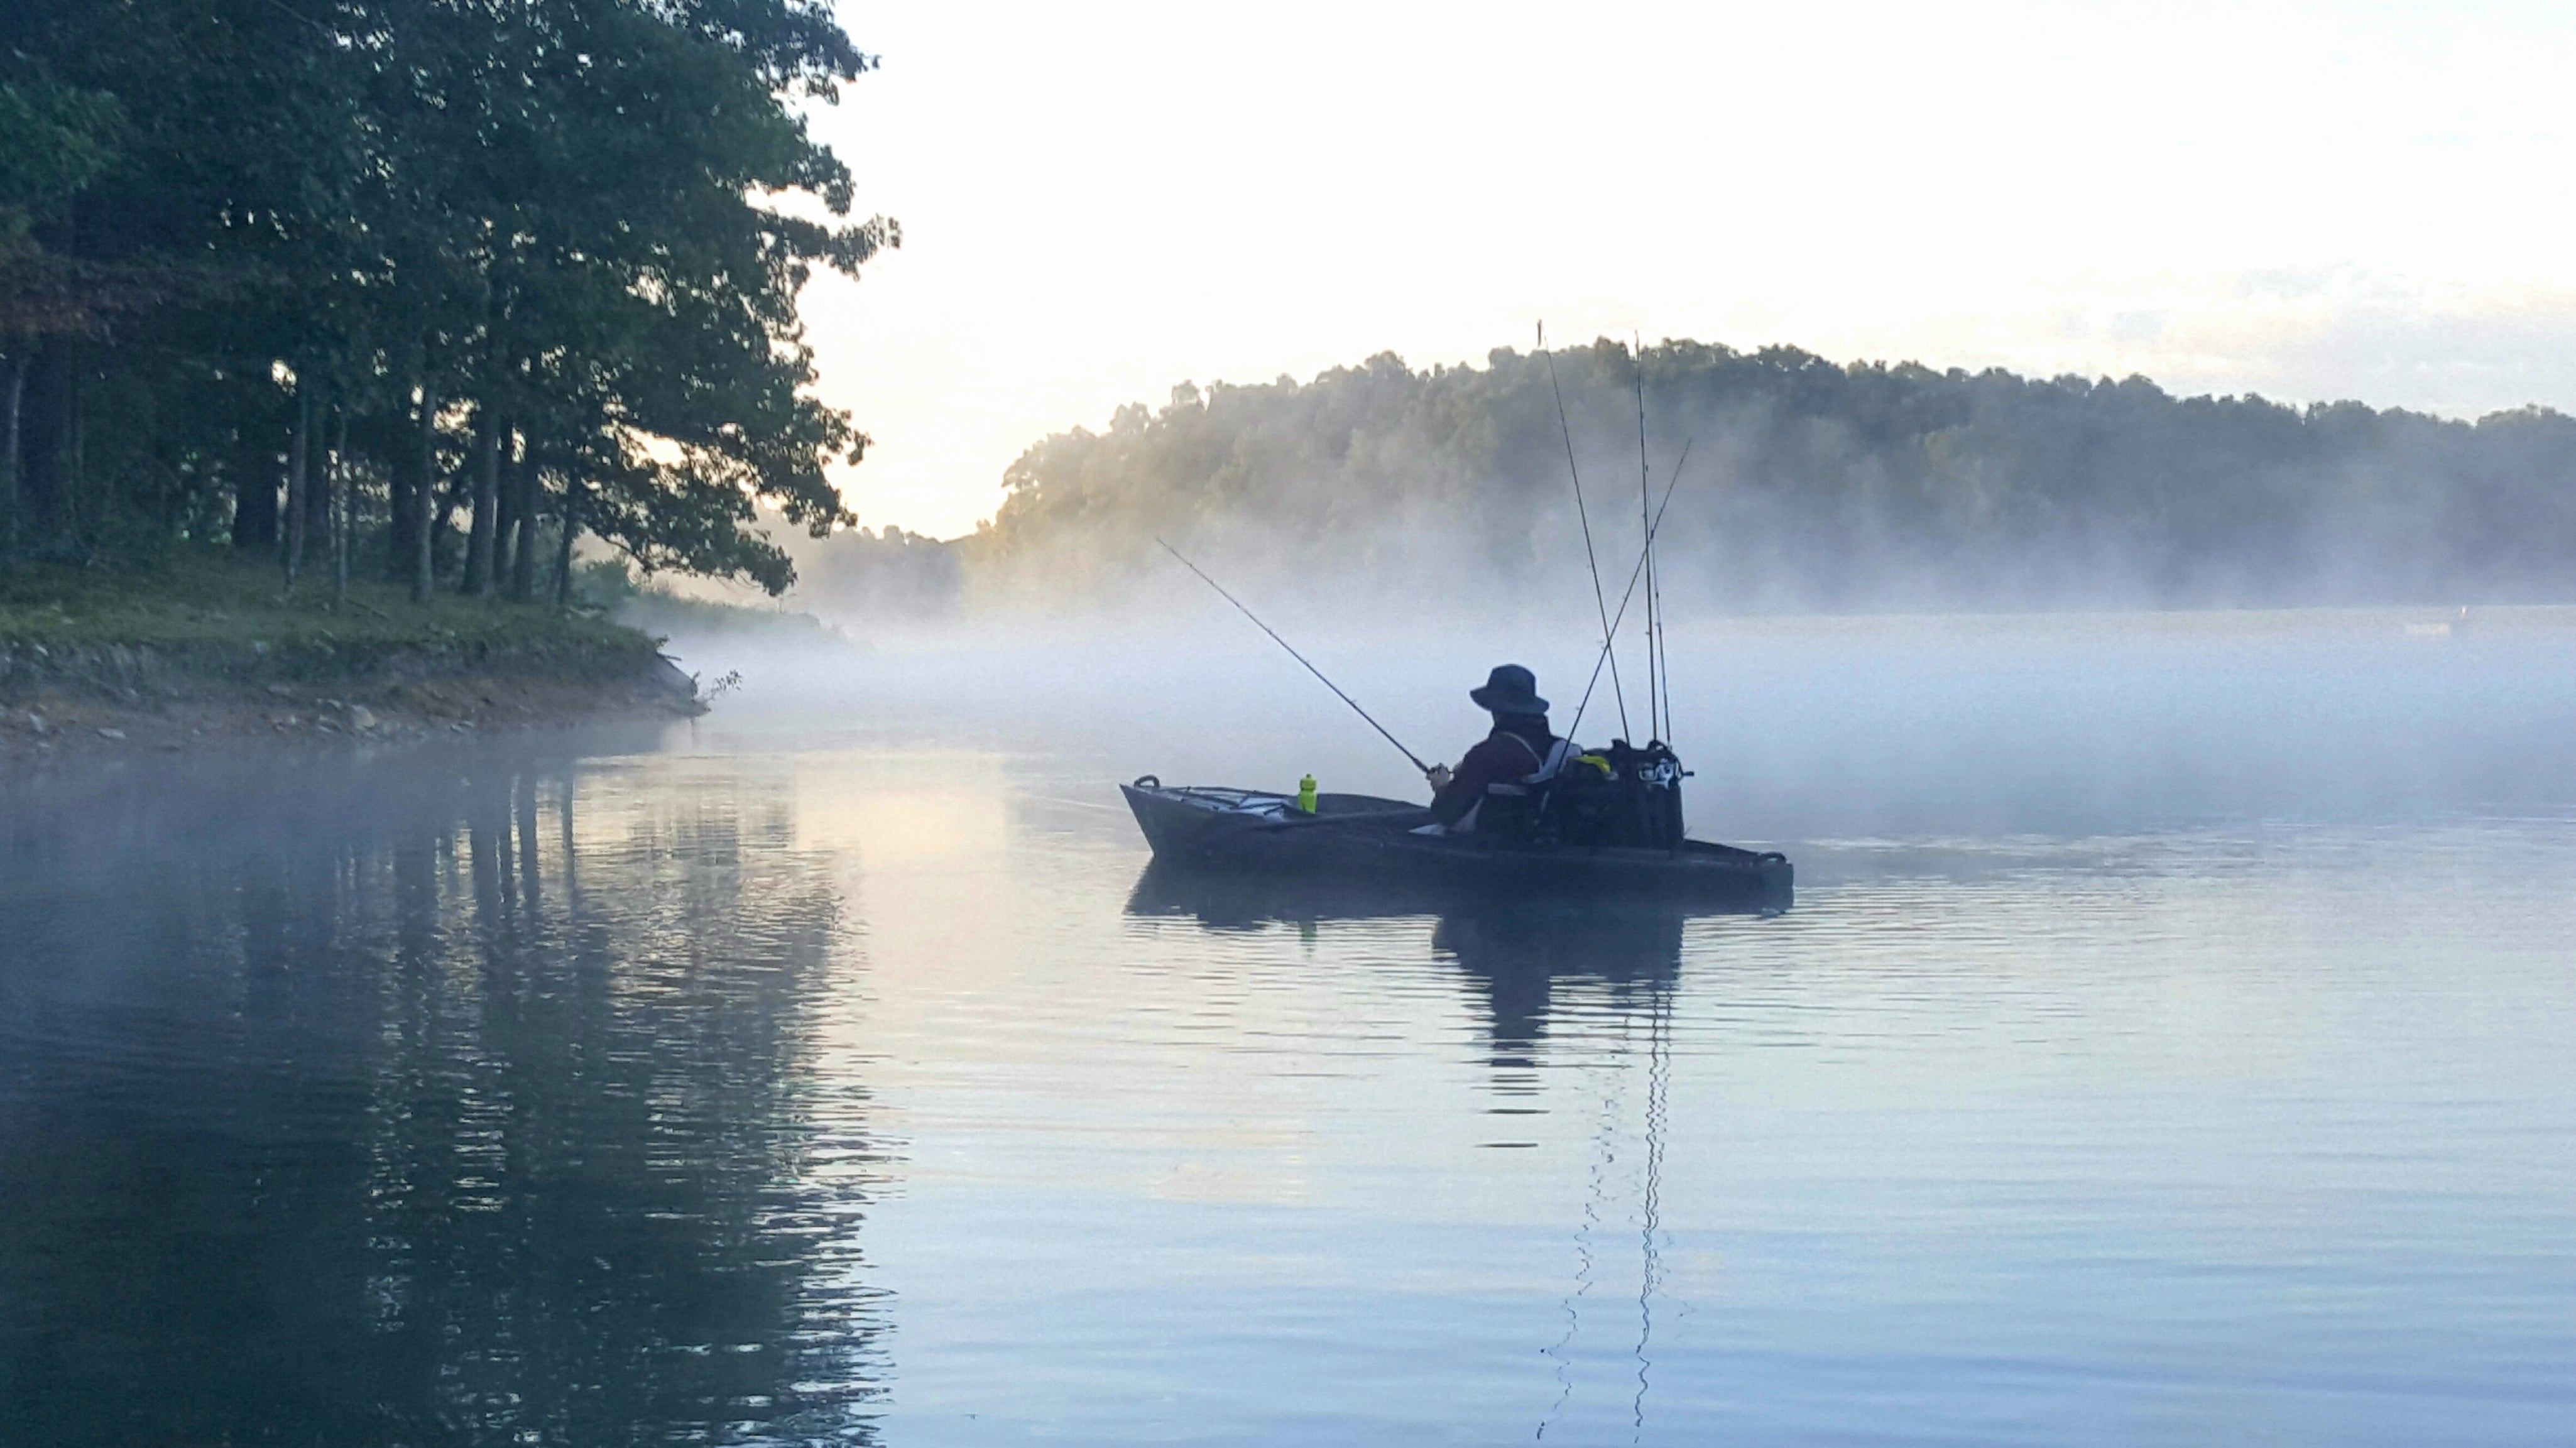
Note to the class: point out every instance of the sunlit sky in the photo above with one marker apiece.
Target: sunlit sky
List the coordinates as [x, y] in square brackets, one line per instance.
[2309, 201]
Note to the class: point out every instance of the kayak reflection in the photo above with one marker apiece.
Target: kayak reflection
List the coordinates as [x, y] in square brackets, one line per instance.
[1525, 957]
[1517, 953]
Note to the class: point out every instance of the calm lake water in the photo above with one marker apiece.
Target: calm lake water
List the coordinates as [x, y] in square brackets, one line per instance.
[2171, 1044]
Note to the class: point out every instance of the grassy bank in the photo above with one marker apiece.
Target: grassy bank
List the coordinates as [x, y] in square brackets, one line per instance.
[206, 643]
[216, 598]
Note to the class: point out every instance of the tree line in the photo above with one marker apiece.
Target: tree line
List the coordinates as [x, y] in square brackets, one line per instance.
[1807, 484]
[430, 288]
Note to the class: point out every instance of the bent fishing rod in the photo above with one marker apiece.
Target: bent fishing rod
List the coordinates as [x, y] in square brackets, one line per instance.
[1301, 658]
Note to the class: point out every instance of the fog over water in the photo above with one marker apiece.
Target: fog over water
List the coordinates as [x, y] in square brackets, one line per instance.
[2166, 1046]
[1801, 729]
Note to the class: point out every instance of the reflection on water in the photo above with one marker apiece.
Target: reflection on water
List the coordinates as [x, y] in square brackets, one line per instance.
[468, 1103]
[1515, 955]
[802, 1094]
[1514, 951]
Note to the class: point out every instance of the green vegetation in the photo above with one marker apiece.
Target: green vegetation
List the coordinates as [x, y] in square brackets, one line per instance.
[416, 290]
[214, 601]
[1809, 485]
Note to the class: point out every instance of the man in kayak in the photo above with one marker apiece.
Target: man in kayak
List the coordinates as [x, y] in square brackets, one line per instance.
[1519, 750]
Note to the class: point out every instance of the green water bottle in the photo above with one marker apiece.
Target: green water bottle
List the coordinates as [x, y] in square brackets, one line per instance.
[1306, 794]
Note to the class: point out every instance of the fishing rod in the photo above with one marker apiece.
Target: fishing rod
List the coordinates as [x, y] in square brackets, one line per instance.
[1659, 660]
[1621, 616]
[1301, 658]
[1589, 556]
[1645, 525]
[1633, 573]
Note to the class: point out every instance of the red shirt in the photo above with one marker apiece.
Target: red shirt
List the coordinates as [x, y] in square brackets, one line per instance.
[1498, 758]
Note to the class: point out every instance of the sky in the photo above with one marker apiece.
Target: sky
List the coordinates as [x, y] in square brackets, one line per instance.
[2307, 201]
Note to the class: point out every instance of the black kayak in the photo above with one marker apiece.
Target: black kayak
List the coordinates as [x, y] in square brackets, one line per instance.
[1363, 838]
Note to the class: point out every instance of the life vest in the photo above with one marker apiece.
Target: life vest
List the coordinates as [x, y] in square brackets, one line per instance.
[1513, 794]
[1510, 804]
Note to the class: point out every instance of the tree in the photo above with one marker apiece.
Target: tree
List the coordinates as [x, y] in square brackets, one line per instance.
[525, 239]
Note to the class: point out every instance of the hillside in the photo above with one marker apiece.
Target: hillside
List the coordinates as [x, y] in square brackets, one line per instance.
[1809, 485]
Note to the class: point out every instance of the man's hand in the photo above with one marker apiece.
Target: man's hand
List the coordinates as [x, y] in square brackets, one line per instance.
[1439, 776]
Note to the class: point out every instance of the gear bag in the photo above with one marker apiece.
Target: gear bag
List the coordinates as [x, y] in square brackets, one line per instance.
[1618, 795]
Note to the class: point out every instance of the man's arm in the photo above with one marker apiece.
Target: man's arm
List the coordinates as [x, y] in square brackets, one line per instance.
[1481, 767]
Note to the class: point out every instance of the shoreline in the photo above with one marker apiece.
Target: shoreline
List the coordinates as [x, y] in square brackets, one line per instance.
[118, 699]
[205, 652]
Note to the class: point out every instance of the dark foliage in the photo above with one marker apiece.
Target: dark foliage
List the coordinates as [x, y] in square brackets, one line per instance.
[348, 278]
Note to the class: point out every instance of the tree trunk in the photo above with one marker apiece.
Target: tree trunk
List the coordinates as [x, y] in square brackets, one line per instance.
[401, 480]
[317, 488]
[44, 441]
[487, 504]
[254, 491]
[523, 560]
[459, 498]
[297, 485]
[341, 538]
[563, 544]
[9, 499]
[504, 537]
[78, 471]
[424, 538]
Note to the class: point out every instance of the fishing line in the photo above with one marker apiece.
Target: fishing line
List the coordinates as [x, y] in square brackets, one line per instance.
[1301, 658]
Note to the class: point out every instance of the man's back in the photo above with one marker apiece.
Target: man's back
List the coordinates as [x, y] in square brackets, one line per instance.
[1516, 749]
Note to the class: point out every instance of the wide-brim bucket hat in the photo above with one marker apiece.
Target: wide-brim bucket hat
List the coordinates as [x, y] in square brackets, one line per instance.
[1509, 689]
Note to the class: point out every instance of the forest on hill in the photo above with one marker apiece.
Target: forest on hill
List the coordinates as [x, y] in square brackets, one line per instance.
[1808, 485]
[423, 288]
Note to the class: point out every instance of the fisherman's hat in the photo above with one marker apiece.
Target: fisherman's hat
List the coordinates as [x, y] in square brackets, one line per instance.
[1509, 689]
